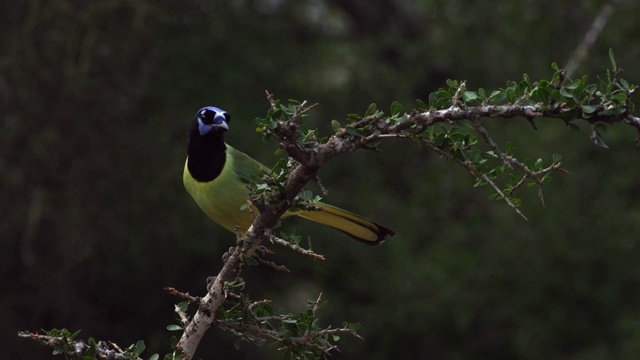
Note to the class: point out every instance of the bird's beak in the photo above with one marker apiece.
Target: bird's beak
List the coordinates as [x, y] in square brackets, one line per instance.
[222, 125]
[206, 128]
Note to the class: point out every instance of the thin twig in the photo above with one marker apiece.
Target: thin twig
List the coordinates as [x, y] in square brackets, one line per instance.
[487, 139]
[272, 264]
[184, 319]
[476, 173]
[185, 296]
[502, 195]
[276, 240]
[316, 304]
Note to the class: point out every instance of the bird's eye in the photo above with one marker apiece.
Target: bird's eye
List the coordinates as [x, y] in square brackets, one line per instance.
[207, 116]
[227, 117]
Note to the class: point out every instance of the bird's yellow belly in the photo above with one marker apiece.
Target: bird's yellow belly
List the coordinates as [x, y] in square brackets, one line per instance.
[221, 199]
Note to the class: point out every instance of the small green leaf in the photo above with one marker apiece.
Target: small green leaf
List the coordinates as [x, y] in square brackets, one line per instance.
[443, 94]
[452, 83]
[529, 163]
[371, 109]
[598, 141]
[183, 306]
[139, 347]
[421, 105]
[353, 117]
[433, 97]
[462, 154]
[511, 95]
[335, 125]
[353, 132]
[538, 164]
[469, 96]
[495, 93]
[624, 83]
[174, 327]
[590, 89]
[620, 96]
[396, 108]
[250, 261]
[597, 138]
[573, 85]
[566, 93]
[589, 109]
[510, 148]
[573, 127]
[482, 94]
[556, 158]
[400, 120]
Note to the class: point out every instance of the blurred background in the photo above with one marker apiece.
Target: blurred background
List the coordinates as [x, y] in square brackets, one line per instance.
[96, 100]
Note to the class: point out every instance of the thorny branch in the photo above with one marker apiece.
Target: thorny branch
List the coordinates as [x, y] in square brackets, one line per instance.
[475, 172]
[276, 240]
[253, 331]
[371, 129]
[76, 349]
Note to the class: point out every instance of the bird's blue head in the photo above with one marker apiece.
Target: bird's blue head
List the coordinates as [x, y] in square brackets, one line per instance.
[211, 118]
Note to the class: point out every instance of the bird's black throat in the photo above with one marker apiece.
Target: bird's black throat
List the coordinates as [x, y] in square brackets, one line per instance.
[207, 155]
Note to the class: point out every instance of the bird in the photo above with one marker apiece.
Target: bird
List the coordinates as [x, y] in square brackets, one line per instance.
[216, 176]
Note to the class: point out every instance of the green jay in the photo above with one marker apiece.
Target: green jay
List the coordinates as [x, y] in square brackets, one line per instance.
[216, 175]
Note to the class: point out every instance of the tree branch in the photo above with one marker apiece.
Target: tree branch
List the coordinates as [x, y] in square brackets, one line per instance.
[77, 349]
[310, 154]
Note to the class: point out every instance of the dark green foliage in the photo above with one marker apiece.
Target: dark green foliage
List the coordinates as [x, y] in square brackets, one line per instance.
[297, 336]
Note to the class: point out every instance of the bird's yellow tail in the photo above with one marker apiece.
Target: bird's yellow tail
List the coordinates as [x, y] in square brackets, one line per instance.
[349, 223]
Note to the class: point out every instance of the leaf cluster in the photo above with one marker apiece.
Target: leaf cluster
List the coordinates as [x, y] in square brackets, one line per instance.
[464, 139]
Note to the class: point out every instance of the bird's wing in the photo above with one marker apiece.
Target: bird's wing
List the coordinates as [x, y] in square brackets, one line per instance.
[246, 167]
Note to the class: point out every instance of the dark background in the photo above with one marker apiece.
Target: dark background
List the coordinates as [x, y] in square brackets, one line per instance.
[96, 100]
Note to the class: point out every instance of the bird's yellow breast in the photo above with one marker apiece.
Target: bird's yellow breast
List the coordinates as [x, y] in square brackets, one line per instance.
[221, 198]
